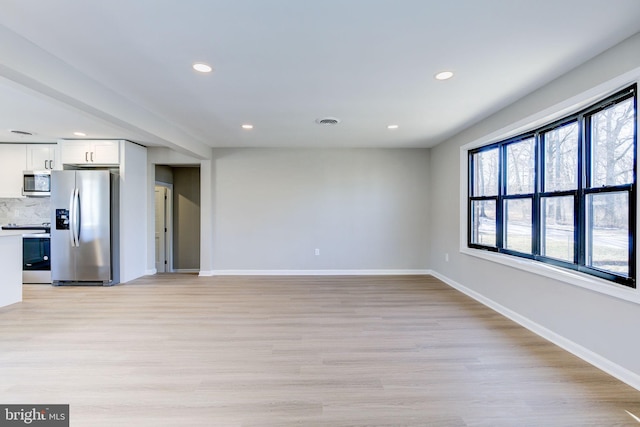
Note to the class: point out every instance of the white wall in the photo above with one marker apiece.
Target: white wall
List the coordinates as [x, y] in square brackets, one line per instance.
[364, 209]
[133, 211]
[186, 218]
[601, 328]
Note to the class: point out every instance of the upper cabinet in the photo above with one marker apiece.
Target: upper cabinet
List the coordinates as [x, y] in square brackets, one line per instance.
[43, 157]
[90, 152]
[12, 164]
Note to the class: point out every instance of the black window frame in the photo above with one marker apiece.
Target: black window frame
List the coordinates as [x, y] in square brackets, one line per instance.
[580, 194]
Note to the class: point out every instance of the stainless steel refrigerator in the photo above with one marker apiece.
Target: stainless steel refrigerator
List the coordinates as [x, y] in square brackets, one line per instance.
[84, 227]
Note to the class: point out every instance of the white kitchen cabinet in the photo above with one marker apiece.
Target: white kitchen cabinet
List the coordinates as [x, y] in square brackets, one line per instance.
[90, 152]
[13, 162]
[43, 157]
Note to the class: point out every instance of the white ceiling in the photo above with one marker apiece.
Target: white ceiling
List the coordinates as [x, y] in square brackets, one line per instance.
[122, 68]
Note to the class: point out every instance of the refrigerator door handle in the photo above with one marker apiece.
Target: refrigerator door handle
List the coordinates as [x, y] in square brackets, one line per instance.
[73, 218]
[77, 219]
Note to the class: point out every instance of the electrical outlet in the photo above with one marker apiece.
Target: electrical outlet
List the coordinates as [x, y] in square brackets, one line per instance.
[317, 252]
[446, 257]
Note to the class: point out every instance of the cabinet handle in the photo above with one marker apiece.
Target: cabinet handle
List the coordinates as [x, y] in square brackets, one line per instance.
[51, 164]
[45, 164]
[92, 157]
[86, 156]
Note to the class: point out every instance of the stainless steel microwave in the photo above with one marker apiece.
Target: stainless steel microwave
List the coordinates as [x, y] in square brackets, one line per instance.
[36, 183]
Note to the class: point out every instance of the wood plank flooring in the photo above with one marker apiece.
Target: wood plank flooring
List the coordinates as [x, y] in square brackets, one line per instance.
[182, 350]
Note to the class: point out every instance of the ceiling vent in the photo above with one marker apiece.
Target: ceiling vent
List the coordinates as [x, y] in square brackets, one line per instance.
[328, 121]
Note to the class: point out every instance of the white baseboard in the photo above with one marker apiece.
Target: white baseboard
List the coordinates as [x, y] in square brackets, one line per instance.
[185, 270]
[314, 272]
[150, 272]
[613, 369]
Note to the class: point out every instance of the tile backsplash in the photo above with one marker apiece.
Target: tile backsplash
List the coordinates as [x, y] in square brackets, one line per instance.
[30, 210]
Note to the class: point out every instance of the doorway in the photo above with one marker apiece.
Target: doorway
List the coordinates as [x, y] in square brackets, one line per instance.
[164, 227]
[177, 218]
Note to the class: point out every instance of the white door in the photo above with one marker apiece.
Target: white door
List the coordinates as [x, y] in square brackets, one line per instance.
[161, 229]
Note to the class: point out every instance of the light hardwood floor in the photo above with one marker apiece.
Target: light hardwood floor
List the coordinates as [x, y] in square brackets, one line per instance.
[181, 350]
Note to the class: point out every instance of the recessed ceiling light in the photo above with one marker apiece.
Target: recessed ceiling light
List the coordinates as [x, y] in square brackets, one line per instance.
[393, 127]
[203, 68]
[247, 126]
[444, 75]
[80, 134]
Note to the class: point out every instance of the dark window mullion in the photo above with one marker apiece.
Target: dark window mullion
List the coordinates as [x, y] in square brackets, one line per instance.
[580, 202]
[633, 220]
[632, 233]
[538, 186]
[578, 240]
[609, 189]
[559, 193]
[502, 168]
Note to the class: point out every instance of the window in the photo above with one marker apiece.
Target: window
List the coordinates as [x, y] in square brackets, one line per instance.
[563, 194]
[485, 188]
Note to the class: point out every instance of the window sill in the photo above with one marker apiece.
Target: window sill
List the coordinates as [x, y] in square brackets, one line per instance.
[575, 278]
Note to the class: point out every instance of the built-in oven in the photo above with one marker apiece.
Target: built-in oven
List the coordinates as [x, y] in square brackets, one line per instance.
[36, 251]
[36, 258]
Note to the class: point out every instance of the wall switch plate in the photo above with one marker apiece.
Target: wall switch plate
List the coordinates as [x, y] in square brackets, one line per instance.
[317, 252]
